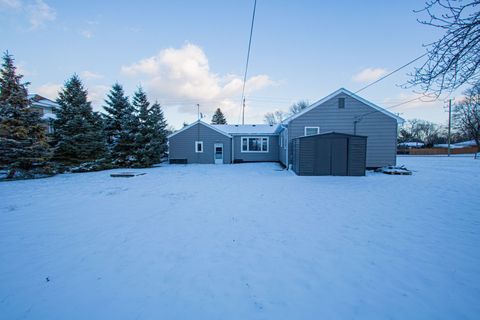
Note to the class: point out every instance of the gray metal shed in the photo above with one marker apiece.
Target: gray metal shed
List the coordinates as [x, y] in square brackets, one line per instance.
[331, 153]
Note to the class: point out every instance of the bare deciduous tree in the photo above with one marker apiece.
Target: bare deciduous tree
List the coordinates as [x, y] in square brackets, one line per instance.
[466, 115]
[417, 130]
[454, 59]
[276, 117]
[298, 106]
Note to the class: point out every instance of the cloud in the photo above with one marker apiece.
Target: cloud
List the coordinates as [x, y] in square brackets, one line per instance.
[96, 94]
[48, 90]
[39, 13]
[87, 34]
[183, 76]
[11, 4]
[369, 74]
[89, 75]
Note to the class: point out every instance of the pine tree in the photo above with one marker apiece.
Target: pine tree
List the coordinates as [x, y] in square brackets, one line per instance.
[150, 138]
[158, 124]
[219, 117]
[23, 143]
[120, 126]
[79, 132]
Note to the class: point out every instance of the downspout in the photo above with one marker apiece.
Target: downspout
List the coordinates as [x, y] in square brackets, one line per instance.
[287, 155]
[233, 148]
[355, 121]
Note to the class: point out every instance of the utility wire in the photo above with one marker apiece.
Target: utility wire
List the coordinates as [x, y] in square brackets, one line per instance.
[248, 58]
[391, 107]
[389, 74]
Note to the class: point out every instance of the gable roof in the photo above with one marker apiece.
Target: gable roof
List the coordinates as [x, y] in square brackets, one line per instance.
[198, 122]
[247, 128]
[38, 100]
[352, 95]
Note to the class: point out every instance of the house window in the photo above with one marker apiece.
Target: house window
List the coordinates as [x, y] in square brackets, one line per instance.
[341, 103]
[255, 144]
[311, 130]
[198, 146]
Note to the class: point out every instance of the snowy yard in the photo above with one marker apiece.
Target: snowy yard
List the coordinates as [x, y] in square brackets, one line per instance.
[243, 242]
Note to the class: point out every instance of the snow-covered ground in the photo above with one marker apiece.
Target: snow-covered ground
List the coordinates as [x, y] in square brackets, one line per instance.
[243, 242]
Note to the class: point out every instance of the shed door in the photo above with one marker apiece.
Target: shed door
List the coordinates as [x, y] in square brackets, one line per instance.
[339, 157]
[322, 159]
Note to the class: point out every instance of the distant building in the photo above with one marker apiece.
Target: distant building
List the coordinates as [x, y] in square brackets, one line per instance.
[46, 108]
[410, 145]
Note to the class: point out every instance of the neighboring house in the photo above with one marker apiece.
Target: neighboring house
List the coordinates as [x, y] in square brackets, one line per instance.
[46, 108]
[410, 145]
[340, 112]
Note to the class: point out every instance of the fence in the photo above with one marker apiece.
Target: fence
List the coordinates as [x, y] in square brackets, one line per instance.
[434, 151]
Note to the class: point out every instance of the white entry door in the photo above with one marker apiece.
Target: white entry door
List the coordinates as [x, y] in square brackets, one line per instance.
[218, 149]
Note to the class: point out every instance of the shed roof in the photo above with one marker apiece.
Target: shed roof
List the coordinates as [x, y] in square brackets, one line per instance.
[247, 128]
[331, 133]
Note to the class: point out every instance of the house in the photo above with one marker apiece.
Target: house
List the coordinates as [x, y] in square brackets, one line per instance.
[345, 112]
[340, 112]
[46, 108]
[201, 142]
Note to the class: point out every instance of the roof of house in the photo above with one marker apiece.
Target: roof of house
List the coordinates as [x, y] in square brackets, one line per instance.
[199, 122]
[247, 128]
[354, 96]
[38, 100]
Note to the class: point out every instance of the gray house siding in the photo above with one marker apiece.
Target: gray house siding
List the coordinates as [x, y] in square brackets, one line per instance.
[380, 129]
[182, 145]
[271, 155]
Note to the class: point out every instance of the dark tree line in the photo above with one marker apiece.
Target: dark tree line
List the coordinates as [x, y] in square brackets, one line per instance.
[129, 133]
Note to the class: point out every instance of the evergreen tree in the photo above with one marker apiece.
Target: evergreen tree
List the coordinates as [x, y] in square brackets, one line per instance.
[23, 143]
[79, 135]
[158, 144]
[219, 117]
[120, 126]
[150, 137]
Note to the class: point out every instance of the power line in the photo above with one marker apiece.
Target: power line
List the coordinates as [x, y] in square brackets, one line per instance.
[389, 74]
[248, 59]
[391, 107]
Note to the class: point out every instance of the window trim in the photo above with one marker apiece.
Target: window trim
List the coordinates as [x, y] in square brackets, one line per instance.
[305, 130]
[248, 145]
[196, 145]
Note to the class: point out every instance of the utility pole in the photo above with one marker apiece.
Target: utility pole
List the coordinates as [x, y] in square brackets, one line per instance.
[243, 111]
[198, 111]
[449, 123]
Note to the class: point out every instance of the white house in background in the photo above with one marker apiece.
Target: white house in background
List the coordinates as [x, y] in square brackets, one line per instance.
[46, 108]
[411, 144]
